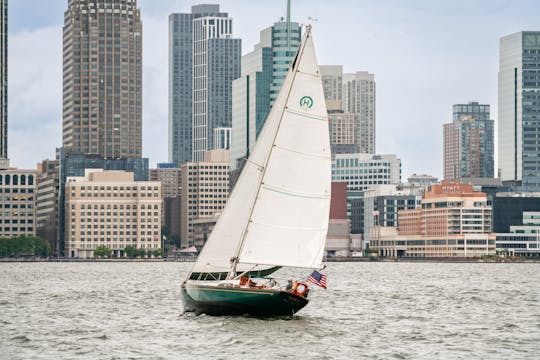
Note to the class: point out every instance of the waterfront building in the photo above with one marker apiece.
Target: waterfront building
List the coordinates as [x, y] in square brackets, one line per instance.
[379, 206]
[102, 78]
[509, 207]
[48, 203]
[254, 92]
[170, 177]
[75, 164]
[338, 238]
[469, 142]
[519, 104]
[363, 171]
[172, 215]
[522, 240]
[204, 59]
[355, 94]
[17, 202]
[3, 80]
[205, 189]
[111, 209]
[452, 221]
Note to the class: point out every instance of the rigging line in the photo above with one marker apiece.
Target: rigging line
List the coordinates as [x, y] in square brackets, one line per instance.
[294, 70]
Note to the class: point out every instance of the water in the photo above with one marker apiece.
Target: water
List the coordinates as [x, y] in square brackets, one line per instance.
[371, 310]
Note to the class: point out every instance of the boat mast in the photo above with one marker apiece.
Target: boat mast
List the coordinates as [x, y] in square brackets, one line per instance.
[235, 259]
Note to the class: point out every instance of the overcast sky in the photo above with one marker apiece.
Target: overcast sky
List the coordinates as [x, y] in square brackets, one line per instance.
[426, 55]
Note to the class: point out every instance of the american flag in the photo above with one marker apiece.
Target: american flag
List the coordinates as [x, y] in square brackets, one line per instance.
[318, 279]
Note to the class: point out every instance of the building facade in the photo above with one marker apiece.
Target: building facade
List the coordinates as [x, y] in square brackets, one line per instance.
[354, 93]
[360, 99]
[180, 87]
[48, 203]
[519, 105]
[102, 78]
[204, 59]
[3, 78]
[205, 189]
[469, 143]
[170, 177]
[254, 92]
[363, 171]
[17, 202]
[522, 240]
[222, 138]
[452, 221]
[509, 207]
[111, 209]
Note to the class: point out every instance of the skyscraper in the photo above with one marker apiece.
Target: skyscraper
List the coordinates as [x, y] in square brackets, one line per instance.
[3, 77]
[359, 98]
[468, 142]
[263, 72]
[352, 93]
[204, 59]
[102, 112]
[519, 108]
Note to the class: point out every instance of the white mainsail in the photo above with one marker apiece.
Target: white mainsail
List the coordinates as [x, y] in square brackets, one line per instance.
[277, 214]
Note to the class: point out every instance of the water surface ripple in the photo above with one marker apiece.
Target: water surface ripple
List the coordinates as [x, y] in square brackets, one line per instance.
[371, 310]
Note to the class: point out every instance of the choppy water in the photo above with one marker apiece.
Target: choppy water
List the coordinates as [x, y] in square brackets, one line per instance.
[371, 310]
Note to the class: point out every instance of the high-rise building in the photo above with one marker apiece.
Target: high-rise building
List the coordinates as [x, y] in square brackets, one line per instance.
[519, 106]
[468, 143]
[205, 189]
[263, 72]
[359, 98]
[204, 59]
[353, 93]
[102, 102]
[3, 78]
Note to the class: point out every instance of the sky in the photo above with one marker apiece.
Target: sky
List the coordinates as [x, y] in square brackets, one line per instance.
[426, 55]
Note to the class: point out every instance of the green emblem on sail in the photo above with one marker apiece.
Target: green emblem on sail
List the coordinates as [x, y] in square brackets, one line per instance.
[306, 102]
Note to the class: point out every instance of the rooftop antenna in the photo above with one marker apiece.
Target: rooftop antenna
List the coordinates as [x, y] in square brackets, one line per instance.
[288, 25]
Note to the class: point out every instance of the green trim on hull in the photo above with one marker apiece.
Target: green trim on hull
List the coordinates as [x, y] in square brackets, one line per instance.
[219, 300]
[223, 275]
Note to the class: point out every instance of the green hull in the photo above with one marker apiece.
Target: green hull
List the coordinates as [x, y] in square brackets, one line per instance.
[220, 300]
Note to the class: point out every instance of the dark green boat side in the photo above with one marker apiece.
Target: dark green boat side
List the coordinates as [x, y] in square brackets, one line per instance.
[221, 300]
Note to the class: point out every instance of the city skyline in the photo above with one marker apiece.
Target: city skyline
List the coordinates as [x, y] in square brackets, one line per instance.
[432, 56]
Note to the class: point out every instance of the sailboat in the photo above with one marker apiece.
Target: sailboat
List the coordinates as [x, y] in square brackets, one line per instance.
[277, 214]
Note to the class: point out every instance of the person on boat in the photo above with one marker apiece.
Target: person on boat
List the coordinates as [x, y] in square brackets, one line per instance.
[289, 285]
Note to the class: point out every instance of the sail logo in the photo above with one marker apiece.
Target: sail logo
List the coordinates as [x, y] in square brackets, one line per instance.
[306, 102]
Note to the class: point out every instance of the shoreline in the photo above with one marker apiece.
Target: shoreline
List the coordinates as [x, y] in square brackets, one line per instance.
[327, 260]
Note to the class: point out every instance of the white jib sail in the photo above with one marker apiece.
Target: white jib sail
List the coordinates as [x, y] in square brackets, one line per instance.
[278, 211]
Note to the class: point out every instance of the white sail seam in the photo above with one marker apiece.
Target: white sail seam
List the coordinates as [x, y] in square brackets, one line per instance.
[295, 193]
[289, 227]
[313, 155]
[310, 116]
